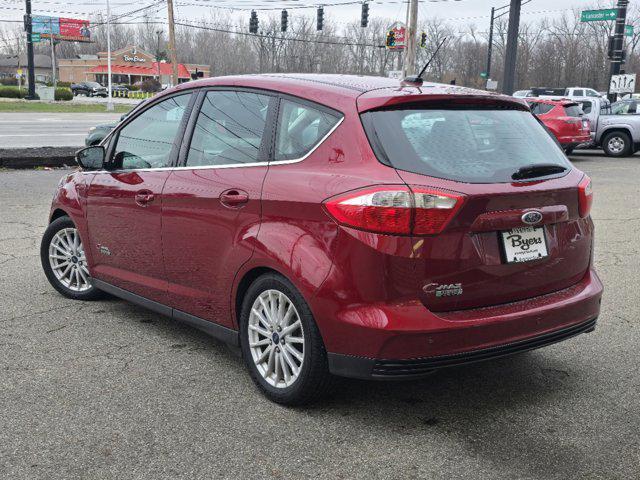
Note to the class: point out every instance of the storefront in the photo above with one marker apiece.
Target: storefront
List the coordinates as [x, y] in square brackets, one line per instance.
[129, 66]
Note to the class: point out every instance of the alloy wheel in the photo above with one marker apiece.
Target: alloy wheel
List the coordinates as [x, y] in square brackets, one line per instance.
[68, 261]
[616, 144]
[276, 338]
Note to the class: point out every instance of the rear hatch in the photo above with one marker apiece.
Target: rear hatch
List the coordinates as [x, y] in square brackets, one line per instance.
[518, 233]
[576, 124]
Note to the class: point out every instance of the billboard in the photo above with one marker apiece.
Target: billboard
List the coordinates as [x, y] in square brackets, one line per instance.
[70, 29]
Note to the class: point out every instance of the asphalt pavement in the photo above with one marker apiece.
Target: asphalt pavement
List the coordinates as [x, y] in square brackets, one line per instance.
[108, 390]
[32, 129]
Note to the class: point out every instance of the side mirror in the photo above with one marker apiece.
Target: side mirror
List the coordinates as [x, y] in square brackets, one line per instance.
[91, 158]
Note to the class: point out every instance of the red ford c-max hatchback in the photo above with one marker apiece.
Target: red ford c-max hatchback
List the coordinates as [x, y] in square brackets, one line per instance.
[334, 225]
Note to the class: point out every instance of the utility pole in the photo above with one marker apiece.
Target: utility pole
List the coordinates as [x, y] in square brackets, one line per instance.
[172, 43]
[411, 44]
[109, 89]
[31, 75]
[54, 80]
[618, 43]
[508, 82]
[158, 33]
[490, 45]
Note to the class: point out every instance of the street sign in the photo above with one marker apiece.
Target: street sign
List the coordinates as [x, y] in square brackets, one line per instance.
[397, 74]
[399, 33]
[483, 74]
[19, 71]
[628, 30]
[598, 15]
[623, 83]
[35, 37]
[492, 84]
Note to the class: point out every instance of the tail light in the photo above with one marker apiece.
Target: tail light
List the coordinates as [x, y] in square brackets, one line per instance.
[585, 197]
[586, 124]
[395, 210]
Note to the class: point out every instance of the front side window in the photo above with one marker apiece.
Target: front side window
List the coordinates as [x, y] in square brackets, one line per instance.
[147, 141]
[300, 128]
[230, 129]
[578, 93]
[592, 93]
[468, 144]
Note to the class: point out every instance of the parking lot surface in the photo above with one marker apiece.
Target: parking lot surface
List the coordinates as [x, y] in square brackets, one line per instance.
[108, 390]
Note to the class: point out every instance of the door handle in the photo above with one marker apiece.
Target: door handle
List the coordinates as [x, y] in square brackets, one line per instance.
[144, 197]
[234, 198]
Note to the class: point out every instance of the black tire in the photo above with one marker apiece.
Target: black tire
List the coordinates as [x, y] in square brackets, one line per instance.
[621, 138]
[569, 150]
[314, 380]
[54, 227]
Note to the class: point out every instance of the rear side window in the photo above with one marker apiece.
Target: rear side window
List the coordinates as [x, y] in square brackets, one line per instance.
[300, 128]
[229, 129]
[466, 145]
[578, 93]
[572, 111]
[540, 108]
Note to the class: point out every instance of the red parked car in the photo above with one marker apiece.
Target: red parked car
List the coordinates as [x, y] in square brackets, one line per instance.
[564, 119]
[334, 225]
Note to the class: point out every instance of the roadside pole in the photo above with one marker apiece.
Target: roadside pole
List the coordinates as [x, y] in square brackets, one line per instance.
[109, 90]
[172, 44]
[411, 45]
[618, 44]
[31, 75]
[490, 45]
[511, 53]
[54, 79]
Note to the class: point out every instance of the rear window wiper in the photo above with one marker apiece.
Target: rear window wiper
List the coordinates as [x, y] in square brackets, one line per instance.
[537, 170]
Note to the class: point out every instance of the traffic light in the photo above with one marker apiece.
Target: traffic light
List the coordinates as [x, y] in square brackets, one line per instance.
[284, 20]
[320, 18]
[423, 40]
[391, 39]
[253, 22]
[364, 18]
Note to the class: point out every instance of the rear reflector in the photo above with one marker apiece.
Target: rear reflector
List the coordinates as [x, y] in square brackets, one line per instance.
[395, 210]
[585, 197]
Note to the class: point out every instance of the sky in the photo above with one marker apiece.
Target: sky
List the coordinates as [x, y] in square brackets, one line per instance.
[461, 12]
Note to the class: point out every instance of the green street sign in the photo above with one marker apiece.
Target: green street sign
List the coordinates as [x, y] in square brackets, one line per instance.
[483, 74]
[628, 30]
[35, 37]
[598, 15]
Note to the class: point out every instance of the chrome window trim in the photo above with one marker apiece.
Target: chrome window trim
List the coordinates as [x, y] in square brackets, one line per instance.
[234, 165]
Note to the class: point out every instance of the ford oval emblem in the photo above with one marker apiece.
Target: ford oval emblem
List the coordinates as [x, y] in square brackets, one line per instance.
[531, 218]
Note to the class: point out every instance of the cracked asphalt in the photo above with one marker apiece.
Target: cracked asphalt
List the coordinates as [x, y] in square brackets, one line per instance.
[108, 390]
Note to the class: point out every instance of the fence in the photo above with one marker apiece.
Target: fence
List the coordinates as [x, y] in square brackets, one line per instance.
[131, 94]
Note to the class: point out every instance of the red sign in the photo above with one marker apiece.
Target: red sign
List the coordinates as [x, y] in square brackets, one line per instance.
[399, 35]
[75, 29]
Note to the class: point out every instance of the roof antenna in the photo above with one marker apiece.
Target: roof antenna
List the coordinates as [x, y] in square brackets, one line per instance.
[416, 81]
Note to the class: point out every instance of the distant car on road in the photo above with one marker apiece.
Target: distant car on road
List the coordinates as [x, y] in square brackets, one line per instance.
[99, 132]
[334, 225]
[89, 89]
[522, 94]
[564, 118]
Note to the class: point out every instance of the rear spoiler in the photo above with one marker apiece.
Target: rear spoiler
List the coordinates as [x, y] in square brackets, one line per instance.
[377, 100]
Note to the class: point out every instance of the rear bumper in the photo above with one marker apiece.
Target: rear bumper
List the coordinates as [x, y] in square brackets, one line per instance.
[406, 346]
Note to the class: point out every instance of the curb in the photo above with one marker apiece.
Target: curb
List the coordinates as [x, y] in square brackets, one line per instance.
[37, 157]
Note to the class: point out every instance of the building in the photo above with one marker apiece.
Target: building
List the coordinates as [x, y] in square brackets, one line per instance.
[9, 66]
[129, 65]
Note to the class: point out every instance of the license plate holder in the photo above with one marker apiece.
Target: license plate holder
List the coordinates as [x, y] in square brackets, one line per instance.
[523, 244]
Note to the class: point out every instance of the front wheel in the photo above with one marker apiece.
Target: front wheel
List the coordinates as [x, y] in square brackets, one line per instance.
[64, 261]
[281, 344]
[617, 144]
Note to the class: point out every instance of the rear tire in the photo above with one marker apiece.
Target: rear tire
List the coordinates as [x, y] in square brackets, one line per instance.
[276, 325]
[617, 144]
[569, 150]
[62, 255]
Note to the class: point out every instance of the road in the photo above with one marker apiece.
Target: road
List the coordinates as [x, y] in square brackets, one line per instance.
[29, 129]
[108, 390]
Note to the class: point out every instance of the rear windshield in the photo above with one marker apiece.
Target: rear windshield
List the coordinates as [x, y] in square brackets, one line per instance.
[572, 111]
[467, 145]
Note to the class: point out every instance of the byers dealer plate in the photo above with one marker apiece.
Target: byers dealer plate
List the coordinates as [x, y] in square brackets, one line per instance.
[523, 244]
